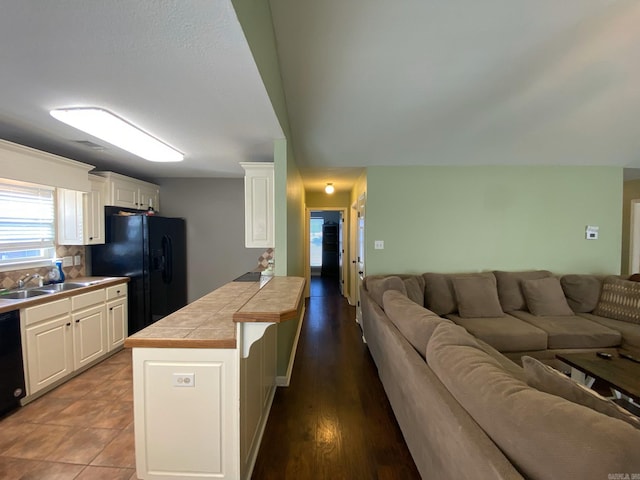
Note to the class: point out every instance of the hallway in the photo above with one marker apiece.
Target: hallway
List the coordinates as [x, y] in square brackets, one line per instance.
[334, 420]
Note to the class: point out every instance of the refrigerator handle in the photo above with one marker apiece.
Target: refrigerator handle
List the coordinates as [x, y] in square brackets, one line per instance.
[167, 253]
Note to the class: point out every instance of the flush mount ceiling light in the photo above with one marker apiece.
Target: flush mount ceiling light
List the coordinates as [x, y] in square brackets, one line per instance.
[329, 188]
[110, 128]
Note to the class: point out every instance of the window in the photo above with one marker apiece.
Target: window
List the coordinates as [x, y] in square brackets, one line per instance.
[27, 228]
[316, 241]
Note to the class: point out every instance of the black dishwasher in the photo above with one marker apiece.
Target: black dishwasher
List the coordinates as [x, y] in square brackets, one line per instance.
[12, 387]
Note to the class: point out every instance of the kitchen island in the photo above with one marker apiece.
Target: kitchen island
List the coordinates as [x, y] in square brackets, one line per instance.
[204, 379]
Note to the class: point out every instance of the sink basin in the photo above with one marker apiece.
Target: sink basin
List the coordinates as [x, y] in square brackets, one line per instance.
[20, 294]
[62, 287]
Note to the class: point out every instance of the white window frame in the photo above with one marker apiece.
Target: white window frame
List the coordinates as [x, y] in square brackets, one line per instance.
[39, 201]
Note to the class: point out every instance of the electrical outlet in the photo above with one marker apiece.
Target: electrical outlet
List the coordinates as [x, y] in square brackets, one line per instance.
[378, 245]
[67, 261]
[184, 380]
[77, 260]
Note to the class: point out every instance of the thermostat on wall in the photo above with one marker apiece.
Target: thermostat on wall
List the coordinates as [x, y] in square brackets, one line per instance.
[591, 232]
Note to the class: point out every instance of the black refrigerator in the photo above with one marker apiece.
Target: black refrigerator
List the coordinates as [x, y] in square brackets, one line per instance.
[151, 251]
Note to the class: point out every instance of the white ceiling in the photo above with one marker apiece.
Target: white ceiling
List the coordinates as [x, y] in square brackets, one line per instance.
[179, 69]
[367, 82]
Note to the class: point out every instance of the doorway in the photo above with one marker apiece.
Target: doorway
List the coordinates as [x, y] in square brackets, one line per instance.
[325, 250]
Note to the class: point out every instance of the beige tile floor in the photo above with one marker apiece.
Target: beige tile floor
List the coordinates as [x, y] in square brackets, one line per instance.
[81, 430]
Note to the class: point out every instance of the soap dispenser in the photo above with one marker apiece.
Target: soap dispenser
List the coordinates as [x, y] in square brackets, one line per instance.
[56, 275]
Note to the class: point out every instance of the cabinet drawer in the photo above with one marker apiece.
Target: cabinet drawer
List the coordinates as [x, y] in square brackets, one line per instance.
[117, 291]
[87, 299]
[46, 310]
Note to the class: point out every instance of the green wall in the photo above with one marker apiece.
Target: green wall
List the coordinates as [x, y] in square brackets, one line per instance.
[465, 219]
[255, 19]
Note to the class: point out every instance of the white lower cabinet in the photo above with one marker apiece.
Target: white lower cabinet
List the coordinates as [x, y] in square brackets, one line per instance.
[66, 335]
[89, 335]
[49, 352]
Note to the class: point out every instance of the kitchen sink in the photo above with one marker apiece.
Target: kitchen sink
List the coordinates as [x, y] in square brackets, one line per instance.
[21, 294]
[62, 287]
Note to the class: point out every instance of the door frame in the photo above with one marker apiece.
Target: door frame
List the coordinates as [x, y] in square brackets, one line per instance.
[634, 240]
[345, 246]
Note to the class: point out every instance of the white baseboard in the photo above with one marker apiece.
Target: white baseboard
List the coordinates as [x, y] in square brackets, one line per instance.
[283, 380]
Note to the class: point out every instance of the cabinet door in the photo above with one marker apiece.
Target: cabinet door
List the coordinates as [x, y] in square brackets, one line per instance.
[69, 206]
[117, 323]
[89, 335]
[94, 202]
[259, 204]
[49, 352]
[124, 193]
[148, 197]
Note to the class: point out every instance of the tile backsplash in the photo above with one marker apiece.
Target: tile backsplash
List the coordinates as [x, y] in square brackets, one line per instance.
[10, 278]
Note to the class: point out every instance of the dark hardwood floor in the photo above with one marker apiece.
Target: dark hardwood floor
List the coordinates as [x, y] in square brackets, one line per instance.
[334, 420]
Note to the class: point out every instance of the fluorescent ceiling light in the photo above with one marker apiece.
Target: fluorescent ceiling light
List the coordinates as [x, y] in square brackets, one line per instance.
[110, 128]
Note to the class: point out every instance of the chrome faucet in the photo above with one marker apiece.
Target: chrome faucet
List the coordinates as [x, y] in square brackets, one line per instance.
[27, 278]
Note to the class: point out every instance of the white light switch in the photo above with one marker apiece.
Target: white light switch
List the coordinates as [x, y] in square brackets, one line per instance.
[378, 245]
[77, 260]
[67, 261]
[184, 379]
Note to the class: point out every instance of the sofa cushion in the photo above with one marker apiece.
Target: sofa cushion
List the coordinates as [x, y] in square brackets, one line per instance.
[620, 300]
[477, 296]
[544, 297]
[572, 331]
[550, 380]
[378, 285]
[630, 331]
[544, 436]
[581, 291]
[509, 288]
[415, 288]
[416, 323]
[505, 333]
[439, 295]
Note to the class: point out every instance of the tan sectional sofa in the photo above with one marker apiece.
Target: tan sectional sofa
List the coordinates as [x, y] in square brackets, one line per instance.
[451, 369]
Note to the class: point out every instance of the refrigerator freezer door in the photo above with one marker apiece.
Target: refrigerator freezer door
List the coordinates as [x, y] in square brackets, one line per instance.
[167, 265]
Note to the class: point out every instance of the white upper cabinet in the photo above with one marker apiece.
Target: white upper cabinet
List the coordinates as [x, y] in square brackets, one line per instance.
[259, 204]
[80, 215]
[128, 192]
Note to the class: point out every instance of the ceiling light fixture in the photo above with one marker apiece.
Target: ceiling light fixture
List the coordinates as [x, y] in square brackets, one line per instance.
[105, 125]
[329, 188]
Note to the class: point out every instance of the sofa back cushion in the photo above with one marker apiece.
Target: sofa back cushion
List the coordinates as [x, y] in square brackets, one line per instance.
[477, 296]
[619, 300]
[377, 285]
[510, 289]
[544, 436]
[545, 297]
[415, 288]
[439, 293]
[416, 323]
[550, 380]
[581, 291]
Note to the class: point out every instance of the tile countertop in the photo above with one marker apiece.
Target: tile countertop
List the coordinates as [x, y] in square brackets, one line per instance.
[210, 321]
[101, 282]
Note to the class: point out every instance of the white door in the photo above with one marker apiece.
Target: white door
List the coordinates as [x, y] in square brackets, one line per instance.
[341, 253]
[360, 265]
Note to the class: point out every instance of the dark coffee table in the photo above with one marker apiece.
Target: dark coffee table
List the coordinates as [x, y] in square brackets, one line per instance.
[620, 374]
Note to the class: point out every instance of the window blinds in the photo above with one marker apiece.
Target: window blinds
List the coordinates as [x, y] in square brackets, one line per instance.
[26, 217]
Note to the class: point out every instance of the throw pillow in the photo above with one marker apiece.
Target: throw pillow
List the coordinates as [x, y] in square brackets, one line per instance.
[438, 293]
[619, 300]
[477, 297]
[550, 380]
[545, 297]
[509, 287]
